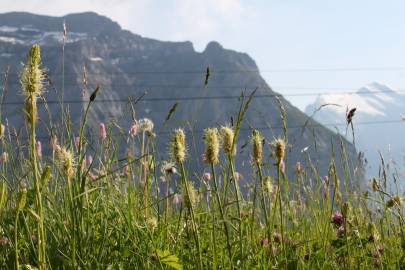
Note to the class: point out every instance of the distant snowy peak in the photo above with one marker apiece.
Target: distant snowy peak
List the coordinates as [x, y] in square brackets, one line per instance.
[374, 99]
[27, 34]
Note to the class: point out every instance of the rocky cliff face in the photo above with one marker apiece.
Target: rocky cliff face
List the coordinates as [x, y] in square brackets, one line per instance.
[125, 64]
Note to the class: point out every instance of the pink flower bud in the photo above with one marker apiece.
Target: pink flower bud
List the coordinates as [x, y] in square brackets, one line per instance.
[206, 177]
[133, 131]
[176, 199]
[102, 133]
[38, 149]
[126, 169]
[337, 218]
[77, 141]
[340, 231]
[204, 158]
[89, 160]
[4, 157]
[282, 166]
[3, 241]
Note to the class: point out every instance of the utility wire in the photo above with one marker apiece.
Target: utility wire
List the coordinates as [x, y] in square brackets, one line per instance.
[264, 128]
[192, 98]
[224, 71]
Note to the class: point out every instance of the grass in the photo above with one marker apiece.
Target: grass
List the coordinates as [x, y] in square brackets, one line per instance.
[66, 210]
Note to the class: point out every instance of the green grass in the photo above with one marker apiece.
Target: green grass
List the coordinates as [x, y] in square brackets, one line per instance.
[58, 211]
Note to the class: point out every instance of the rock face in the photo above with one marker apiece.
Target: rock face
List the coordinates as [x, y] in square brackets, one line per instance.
[125, 64]
[377, 124]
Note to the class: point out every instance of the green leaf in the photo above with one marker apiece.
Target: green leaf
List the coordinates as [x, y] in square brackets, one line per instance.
[169, 259]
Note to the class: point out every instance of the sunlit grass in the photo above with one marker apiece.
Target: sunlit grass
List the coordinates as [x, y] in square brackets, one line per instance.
[85, 205]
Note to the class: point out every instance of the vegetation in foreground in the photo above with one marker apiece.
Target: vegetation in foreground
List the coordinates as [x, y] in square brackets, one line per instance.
[83, 206]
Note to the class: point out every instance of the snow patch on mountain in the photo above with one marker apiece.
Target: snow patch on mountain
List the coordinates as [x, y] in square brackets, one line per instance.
[371, 100]
[375, 103]
[11, 40]
[8, 29]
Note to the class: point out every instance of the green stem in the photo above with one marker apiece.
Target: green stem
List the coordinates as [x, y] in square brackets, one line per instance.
[221, 211]
[280, 207]
[190, 207]
[17, 265]
[238, 201]
[259, 170]
[38, 198]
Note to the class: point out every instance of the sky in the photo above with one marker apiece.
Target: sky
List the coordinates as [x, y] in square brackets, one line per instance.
[300, 46]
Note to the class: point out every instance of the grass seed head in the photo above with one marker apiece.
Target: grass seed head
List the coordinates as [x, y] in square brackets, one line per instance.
[227, 137]
[65, 159]
[279, 150]
[32, 74]
[212, 145]
[178, 146]
[190, 199]
[257, 151]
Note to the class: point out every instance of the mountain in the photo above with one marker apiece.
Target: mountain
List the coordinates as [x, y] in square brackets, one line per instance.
[377, 125]
[125, 64]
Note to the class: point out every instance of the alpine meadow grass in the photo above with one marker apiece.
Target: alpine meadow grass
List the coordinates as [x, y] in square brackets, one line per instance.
[85, 205]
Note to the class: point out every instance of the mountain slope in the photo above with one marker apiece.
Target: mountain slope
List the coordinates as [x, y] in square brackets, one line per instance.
[378, 110]
[126, 64]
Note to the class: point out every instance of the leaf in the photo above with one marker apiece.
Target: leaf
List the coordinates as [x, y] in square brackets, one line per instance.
[30, 267]
[172, 110]
[94, 94]
[207, 76]
[22, 199]
[46, 175]
[35, 215]
[169, 259]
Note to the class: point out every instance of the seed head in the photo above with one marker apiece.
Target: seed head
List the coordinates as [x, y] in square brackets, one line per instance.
[168, 168]
[32, 74]
[178, 146]
[257, 151]
[145, 125]
[279, 149]
[191, 198]
[227, 137]
[65, 160]
[212, 145]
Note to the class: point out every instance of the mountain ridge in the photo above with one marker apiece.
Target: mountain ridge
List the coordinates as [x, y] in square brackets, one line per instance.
[126, 64]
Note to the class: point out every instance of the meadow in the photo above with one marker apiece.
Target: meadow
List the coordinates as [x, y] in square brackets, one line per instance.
[84, 205]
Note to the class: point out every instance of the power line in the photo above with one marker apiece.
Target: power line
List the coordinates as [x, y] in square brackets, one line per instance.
[269, 127]
[171, 86]
[192, 98]
[224, 71]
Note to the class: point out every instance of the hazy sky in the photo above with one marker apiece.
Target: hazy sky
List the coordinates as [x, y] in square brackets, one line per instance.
[283, 36]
